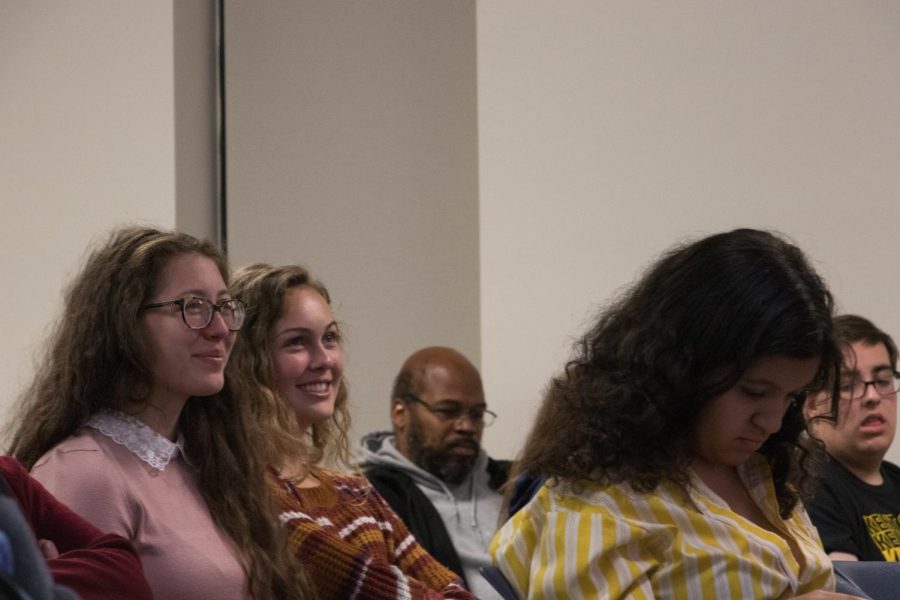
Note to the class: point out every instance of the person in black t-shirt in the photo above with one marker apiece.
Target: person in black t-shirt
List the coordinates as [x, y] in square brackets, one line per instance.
[857, 507]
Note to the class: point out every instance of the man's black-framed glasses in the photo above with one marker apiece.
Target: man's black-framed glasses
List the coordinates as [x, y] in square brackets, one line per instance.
[885, 383]
[451, 412]
[198, 313]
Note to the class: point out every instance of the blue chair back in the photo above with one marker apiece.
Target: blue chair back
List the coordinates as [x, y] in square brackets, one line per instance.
[498, 580]
[877, 580]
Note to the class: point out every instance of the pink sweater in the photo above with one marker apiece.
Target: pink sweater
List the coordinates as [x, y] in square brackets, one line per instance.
[185, 556]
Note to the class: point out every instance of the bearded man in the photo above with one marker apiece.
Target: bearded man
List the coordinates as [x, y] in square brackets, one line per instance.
[431, 468]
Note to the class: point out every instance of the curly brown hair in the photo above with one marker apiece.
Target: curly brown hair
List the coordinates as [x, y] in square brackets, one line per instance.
[625, 407]
[98, 360]
[263, 289]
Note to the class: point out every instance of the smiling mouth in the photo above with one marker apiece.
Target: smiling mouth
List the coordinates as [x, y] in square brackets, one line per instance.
[316, 388]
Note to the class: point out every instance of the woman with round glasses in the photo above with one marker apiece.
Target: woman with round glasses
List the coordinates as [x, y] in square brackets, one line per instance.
[290, 351]
[672, 443]
[131, 424]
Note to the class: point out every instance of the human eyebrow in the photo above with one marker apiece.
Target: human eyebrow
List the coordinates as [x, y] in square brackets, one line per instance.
[758, 381]
[447, 402]
[851, 374]
[770, 386]
[198, 293]
[290, 331]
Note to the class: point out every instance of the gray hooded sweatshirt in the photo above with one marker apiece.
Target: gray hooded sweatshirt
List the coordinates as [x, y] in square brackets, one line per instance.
[470, 510]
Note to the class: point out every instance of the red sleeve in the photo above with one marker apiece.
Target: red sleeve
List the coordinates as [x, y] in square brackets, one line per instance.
[93, 564]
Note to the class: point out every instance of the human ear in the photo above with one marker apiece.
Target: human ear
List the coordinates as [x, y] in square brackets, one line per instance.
[399, 414]
[812, 404]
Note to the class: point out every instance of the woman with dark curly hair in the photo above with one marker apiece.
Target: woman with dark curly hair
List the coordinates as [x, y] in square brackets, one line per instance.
[673, 442]
[290, 352]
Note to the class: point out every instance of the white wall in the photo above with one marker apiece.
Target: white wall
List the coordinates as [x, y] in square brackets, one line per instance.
[352, 149]
[606, 131]
[610, 130]
[86, 142]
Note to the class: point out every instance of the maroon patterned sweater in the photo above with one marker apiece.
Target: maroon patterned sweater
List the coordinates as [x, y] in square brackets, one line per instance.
[354, 545]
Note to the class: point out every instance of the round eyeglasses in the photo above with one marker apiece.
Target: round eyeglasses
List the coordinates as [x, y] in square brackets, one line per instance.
[450, 412]
[197, 313]
[886, 384]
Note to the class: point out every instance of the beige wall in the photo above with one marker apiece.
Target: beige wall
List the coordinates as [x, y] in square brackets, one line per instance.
[601, 133]
[86, 142]
[610, 130]
[352, 149]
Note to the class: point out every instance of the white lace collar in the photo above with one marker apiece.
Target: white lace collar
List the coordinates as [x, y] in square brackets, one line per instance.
[145, 443]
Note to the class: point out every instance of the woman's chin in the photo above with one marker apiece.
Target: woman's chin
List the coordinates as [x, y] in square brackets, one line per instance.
[307, 416]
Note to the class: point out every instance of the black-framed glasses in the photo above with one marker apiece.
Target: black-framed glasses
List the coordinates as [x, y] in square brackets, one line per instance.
[451, 412]
[197, 313]
[885, 384]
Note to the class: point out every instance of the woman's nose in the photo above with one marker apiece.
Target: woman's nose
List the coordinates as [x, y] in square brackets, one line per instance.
[216, 328]
[769, 418]
[322, 357]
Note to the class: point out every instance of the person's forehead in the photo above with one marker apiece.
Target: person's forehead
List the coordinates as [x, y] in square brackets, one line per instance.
[445, 383]
[862, 355]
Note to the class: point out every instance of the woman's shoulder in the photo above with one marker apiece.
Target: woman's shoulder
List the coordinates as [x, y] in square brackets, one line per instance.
[646, 518]
[84, 444]
[618, 500]
[342, 478]
[348, 485]
[11, 467]
[88, 457]
[15, 475]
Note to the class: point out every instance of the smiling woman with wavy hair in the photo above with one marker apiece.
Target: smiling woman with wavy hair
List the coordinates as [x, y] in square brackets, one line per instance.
[291, 354]
[673, 442]
[131, 422]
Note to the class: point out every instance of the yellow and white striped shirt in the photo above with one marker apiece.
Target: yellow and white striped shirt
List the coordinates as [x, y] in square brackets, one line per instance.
[613, 542]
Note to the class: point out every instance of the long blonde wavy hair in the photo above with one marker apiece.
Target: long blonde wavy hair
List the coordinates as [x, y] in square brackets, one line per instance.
[263, 288]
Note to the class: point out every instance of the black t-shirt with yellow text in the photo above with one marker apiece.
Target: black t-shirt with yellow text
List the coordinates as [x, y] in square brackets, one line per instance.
[853, 516]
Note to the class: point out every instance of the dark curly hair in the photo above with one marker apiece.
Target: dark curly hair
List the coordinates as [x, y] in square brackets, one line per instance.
[626, 405]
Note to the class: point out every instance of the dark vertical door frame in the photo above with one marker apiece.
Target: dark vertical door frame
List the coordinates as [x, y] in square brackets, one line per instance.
[221, 179]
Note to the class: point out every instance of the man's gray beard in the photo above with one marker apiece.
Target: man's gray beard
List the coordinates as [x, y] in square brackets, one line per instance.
[447, 467]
